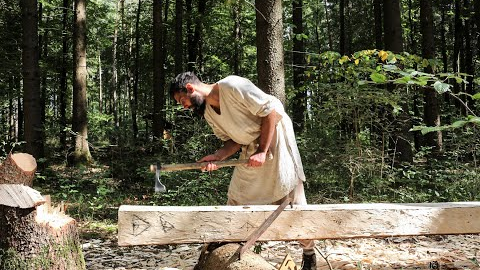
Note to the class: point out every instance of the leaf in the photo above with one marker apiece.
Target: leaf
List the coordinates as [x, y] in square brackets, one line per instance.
[383, 55]
[458, 124]
[357, 61]
[476, 96]
[441, 87]
[378, 77]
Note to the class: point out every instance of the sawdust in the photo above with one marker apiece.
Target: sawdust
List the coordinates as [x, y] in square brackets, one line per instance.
[421, 252]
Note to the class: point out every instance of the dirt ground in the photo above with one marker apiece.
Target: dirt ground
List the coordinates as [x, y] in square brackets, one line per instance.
[422, 252]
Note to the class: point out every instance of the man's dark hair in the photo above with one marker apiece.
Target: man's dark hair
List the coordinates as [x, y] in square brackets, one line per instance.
[178, 84]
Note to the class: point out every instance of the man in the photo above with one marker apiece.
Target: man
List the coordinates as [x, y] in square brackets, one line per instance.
[246, 118]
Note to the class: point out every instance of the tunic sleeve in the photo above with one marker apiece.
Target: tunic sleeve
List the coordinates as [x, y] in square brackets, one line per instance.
[255, 100]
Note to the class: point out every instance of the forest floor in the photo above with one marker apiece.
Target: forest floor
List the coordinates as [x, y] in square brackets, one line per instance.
[421, 252]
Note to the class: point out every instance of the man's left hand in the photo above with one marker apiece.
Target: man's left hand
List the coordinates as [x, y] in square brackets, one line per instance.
[257, 159]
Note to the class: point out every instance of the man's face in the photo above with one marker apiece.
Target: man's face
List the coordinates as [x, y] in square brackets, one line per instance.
[192, 101]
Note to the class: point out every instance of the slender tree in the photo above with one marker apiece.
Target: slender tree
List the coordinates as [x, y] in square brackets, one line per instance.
[63, 76]
[178, 36]
[270, 62]
[237, 49]
[158, 70]
[134, 105]
[31, 79]
[343, 38]
[431, 107]
[394, 42]
[79, 118]
[467, 35]
[299, 101]
[377, 10]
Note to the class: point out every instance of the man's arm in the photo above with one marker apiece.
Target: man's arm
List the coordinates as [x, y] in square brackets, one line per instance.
[266, 134]
[229, 148]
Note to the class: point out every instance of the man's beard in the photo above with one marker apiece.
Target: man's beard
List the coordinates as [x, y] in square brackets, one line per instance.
[198, 104]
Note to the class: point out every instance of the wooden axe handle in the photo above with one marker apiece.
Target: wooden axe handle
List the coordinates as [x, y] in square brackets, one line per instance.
[197, 165]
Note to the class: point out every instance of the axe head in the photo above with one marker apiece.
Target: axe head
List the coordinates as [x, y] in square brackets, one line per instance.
[159, 187]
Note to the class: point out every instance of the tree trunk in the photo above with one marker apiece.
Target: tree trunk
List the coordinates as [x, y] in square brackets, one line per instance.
[63, 77]
[300, 100]
[392, 26]
[158, 70]
[179, 36]
[329, 31]
[224, 258]
[269, 39]
[411, 23]
[190, 35]
[431, 108]
[457, 48]
[79, 118]
[134, 105]
[467, 33]
[198, 37]
[377, 10]
[31, 79]
[400, 141]
[342, 27]
[237, 49]
[31, 236]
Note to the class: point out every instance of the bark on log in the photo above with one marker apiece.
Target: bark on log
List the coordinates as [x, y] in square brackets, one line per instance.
[223, 258]
[18, 168]
[33, 236]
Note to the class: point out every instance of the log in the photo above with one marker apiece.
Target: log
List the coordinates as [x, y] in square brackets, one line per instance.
[159, 225]
[224, 258]
[18, 168]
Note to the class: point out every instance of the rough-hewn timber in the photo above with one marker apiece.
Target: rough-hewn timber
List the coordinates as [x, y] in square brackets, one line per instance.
[147, 225]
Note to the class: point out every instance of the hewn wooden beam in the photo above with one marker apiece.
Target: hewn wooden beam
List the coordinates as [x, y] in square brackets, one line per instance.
[150, 225]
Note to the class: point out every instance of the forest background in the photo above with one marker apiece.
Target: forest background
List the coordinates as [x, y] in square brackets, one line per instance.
[383, 95]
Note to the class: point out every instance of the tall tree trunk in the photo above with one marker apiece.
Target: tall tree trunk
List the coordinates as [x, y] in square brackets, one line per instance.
[329, 31]
[237, 49]
[198, 37]
[136, 73]
[31, 79]
[158, 70]
[79, 118]
[63, 77]
[100, 84]
[467, 33]
[431, 107]
[443, 43]
[270, 61]
[342, 27]
[457, 48]
[394, 42]
[43, 46]
[178, 36]
[114, 95]
[377, 10]
[190, 35]
[300, 100]
[392, 26]
[413, 42]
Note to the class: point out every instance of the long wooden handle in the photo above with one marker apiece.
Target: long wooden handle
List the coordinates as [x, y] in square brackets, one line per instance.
[252, 238]
[197, 165]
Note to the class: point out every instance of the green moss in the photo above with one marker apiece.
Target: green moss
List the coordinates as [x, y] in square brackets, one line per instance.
[12, 260]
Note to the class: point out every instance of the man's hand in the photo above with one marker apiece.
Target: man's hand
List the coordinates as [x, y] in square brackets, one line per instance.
[257, 159]
[210, 166]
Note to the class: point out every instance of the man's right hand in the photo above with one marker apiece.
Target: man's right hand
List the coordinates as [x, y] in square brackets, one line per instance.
[210, 166]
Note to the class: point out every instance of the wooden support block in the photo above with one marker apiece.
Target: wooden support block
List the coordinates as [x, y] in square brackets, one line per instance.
[158, 225]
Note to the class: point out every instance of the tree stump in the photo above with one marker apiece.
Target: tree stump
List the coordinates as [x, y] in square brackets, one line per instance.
[224, 258]
[32, 234]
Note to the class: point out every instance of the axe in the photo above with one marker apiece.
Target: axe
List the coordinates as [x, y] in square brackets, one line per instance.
[157, 168]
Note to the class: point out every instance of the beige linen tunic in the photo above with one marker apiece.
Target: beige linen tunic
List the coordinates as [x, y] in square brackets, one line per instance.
[242, 105]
